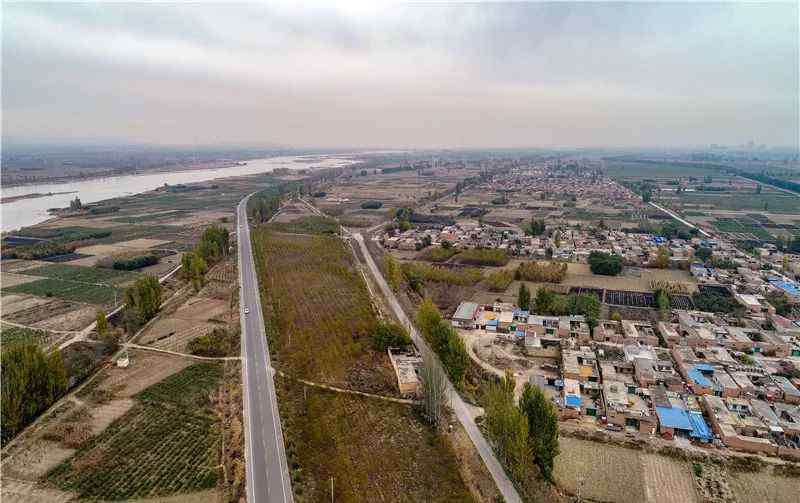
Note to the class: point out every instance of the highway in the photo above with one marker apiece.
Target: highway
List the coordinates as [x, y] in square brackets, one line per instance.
[268, 479]
[504, 484]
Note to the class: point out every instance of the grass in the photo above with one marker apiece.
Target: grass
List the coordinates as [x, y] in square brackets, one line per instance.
[307, 225]
[68, 290]
[763, 486]
[167, 443]
[635, 170]
[320, 321]
[80, 274]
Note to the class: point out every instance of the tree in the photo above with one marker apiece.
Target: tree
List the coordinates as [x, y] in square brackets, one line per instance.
[75, 204]
[507, 427]
[536, 227]
[144, 298]
[428, 316]
[433, 390]
[604, 263]
[199, 269]
[542, 427]
[703, 253]
[615, 316]
[101, 322]
[524, 297]
[545, 299]
[588, 305]
[662, 303]
[456, 359]
[392, 270]
[662, 258]
[388, 335]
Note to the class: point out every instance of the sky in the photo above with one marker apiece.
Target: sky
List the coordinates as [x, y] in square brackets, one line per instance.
[423, 75]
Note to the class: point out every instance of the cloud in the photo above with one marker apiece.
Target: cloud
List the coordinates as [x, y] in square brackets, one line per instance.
[409, 75]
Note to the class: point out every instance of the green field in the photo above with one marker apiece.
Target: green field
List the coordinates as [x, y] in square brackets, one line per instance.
[79, 274]
[743, 225]
[100, 295]
[153, 217]
[639, 170]
[744, 201]
[10, 336]
[167, 443]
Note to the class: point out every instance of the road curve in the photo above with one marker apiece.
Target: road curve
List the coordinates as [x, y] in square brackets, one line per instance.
[504, 484]
[268, 479]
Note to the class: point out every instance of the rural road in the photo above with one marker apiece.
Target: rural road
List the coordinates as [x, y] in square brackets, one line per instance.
[268, 479]
[679, 219]
[460, 408]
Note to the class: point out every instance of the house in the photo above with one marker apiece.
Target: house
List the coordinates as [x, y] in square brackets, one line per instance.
[406, 368]
[465, 315]
[626, 409]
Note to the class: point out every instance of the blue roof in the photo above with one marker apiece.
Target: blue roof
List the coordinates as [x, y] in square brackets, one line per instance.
[520, 333]
[573, 401]
[673, 417]
[492, 323]
[704, 367]
[521, 312]
[700, 429]
[698, 377]
[786, 286]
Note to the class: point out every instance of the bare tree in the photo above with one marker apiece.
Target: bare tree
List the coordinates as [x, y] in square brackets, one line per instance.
[434, 390]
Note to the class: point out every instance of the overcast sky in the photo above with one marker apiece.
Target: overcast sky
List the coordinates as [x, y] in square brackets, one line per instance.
[421, 75]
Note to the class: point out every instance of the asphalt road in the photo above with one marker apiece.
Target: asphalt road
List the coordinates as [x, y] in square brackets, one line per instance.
[461, 409]
[268, 477]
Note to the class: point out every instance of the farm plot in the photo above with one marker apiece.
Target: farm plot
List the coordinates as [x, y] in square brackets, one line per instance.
[90, 275]
[631, 299]
[9, 279]
[10, 336]
[585, 467]
[69, 290]
[764, 487]
[167, 443]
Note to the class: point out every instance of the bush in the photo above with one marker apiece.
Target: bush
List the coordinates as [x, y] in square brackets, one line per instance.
[714, 303]
[415, 271]
[438, 254]
[606, 264]
[217, 343]
[371, 205]
[134, 263]
[484, 256]
[388, 335]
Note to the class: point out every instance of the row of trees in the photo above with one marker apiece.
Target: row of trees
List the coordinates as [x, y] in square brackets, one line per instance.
[524, 435]
[31, 382]
[143, 300]
[541, 272]
[214, 245]
[444, 340]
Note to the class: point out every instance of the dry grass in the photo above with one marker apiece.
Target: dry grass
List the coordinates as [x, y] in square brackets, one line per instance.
[764, 487]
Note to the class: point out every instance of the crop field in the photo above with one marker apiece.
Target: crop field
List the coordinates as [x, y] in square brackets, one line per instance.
[79, 274]
[585, 467]
[10, 336]
[632, 299]
[764, 487]
[744, 225]
[167, 443]
[69, 290]
[320, 318]
[744, 201]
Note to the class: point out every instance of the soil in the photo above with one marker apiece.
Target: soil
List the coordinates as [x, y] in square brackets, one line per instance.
[145, 369]
[9, 279]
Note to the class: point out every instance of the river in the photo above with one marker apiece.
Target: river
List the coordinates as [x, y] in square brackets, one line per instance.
[25, 212]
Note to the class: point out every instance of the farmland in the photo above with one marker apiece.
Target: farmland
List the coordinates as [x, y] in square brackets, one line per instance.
[320, 318]
[10, 335]
[167, 443]
[69, 290]
[80, 274]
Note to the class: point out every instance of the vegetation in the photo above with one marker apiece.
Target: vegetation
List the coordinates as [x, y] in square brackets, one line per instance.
[444, 340]
[389, 335]
[131, 264]
[101, 322]
[498, 281]
[312, 224]
[67, 290]
[371, 205]
[434, 391]
[417, 273]
[167, 443]
[703, 253]
[780, 301]
[31, 382]
[438, 254]
[484, 256]
[12, 336]
[606, 264]
[263, 206]
[194, 269]
[715, 303]
[221, 341]
[37, 251]
[548, 302]
[542, 427]
[534, 227]
[661, 261]
[214, 244]
[541, 272]
[80, 274]
[523, 297]
[143, 301]
[392, 271]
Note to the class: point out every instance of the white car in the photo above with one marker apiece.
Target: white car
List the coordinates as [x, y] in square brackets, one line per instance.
[247, 310]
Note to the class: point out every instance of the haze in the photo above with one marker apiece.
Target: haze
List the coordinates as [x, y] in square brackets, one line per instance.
[512, 75]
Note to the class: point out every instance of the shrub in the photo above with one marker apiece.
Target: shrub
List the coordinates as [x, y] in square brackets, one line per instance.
[438, 254]
[498, 281]
[543, 272]
[388, 335]
[134, 263]
[414, 271]
[219, 342]
[371, 205]
[606, 264]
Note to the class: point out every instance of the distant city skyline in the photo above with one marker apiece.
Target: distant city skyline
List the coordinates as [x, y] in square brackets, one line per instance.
[404, 76]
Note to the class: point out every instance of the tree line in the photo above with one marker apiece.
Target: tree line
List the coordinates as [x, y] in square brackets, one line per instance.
[444, 340]
[214, 245]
